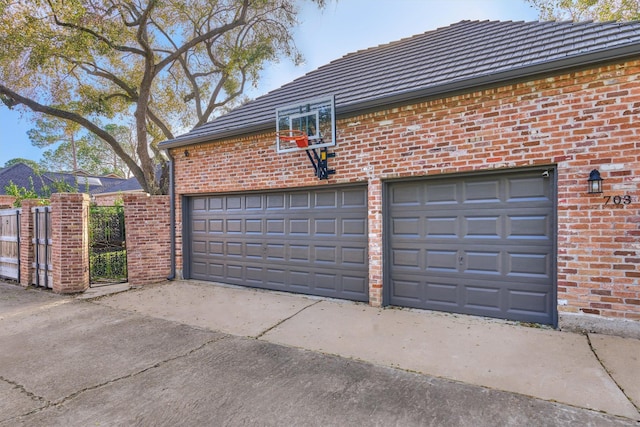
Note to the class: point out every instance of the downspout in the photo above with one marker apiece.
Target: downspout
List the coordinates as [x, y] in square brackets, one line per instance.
[172, 218]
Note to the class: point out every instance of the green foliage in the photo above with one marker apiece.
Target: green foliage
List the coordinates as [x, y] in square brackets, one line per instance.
[22, 193]
[153, 66]
[33, 165]
[583, 10]
[110, 266]
[108, 258]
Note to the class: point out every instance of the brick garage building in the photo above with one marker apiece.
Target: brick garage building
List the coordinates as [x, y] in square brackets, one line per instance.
[462, 161]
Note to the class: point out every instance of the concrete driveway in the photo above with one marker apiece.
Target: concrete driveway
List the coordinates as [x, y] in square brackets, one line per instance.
[189, 353]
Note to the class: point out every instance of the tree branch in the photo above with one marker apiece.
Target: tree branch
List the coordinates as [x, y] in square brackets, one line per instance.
[15, 99]
[92, 33]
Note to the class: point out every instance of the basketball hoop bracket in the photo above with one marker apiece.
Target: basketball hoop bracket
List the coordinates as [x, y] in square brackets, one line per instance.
[319, 160]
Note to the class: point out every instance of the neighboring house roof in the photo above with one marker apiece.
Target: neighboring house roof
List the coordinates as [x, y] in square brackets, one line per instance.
[130, 185]
[464, 55]
[24, 176]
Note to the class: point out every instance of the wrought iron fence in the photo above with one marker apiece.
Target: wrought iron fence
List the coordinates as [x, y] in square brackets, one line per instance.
[107, 250]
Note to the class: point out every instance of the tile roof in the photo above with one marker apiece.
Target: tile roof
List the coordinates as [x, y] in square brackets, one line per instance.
[461, 56]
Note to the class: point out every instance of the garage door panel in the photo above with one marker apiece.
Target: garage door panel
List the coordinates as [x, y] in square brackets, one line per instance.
[301, 253]
[215, 248]
[199, 226]
[234, 249]
[253, 202]
[326, 199]
[444, 227]
[326, 281]
[275, 277]
[254, 250]
[275, 252]
[528, 264]
[354, 227]
[407, 194]
[275, 226]
[441, 261]
[200, 268]
[486, 298]
[528, 189]
[301, 241]
[326, 254]
[530, 227]
[254, 274]
[474, 245]
[353, 198]
[199, 204]
[482, 262]
[407, 290]
[233, 203]
[481, 192]
[299, 200]
[199, 247]
[326, 226]
[254, 226]
[354, 285]
[406, 258]
[275, 201]
[214, 226]
[299, 280]
[441, 294]
[406, 227]
[524, 302]
[482, 227]
[439, 194]
[356, 257]
[213, 204]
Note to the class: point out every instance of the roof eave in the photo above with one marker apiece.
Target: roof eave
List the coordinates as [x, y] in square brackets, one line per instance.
[496, 78]
[227, 133]
[602, 56]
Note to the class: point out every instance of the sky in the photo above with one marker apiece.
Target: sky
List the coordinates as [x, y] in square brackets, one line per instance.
[344, 26]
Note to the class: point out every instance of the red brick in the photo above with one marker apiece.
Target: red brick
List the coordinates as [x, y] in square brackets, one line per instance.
[576, 121]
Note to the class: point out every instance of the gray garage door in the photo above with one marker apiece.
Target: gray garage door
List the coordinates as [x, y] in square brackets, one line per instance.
[479, 245]
[311, 241]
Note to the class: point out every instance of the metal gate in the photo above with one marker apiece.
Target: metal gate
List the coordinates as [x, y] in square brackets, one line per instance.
[107, 249]
[42, 242]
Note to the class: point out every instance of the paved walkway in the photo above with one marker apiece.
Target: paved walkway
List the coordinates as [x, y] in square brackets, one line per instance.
[195, 353]
[592, 371]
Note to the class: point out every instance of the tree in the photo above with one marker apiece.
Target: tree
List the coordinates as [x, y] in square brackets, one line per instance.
[85, 151]
[49, 131]
[159, 66]
[581, 10]
[33, 165]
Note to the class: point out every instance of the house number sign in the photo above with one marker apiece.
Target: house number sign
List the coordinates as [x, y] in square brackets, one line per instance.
[617, 200]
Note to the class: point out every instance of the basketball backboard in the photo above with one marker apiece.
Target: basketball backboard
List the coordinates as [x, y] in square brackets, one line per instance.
[316, 118]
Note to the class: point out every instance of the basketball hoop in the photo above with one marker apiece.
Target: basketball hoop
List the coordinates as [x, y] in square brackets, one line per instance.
[299, 137]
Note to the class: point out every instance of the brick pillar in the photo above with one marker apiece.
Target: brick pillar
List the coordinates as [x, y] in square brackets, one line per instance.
[6, 202]
[375, 241]
[147, 227]
[27, 255]
[70, 246]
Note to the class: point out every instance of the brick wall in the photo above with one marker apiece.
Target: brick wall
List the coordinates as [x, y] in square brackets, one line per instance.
[147, 225]
[6, 202]
[107, 199]
[70, 242]
[577, 122]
